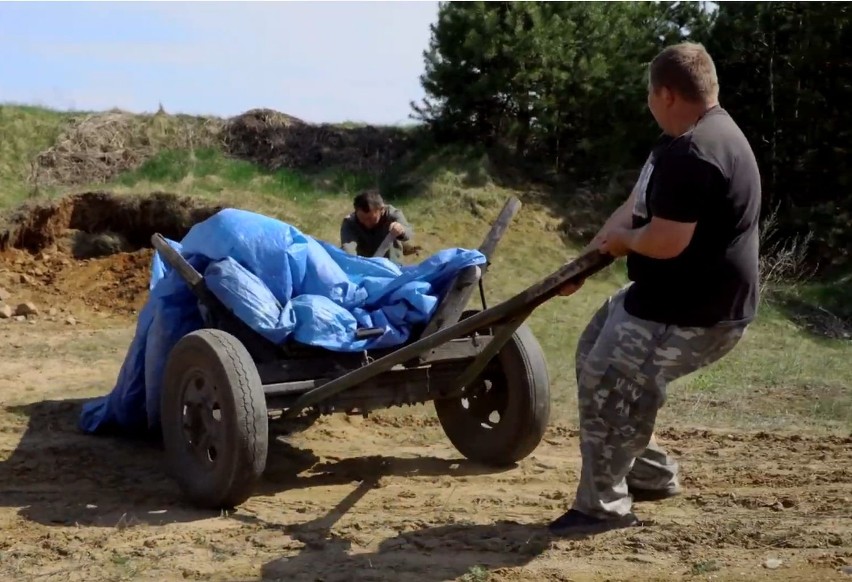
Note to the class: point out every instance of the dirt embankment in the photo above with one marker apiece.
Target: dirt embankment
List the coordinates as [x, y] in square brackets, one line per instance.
[89, 250]
[92, 249]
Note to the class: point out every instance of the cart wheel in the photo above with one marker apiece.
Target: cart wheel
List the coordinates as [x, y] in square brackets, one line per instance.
[214, 419]
[504, 419]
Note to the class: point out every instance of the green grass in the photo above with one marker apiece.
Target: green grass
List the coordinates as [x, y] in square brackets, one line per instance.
[209, 171]
[476, 574]
[779, 377]
[24, 132]
[834, 294]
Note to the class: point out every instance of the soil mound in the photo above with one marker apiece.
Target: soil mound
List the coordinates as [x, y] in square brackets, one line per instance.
[275, 140]
[91, 249]
[111, 285]
[97, 148]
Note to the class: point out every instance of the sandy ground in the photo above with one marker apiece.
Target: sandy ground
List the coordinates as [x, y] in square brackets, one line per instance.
[383, 498]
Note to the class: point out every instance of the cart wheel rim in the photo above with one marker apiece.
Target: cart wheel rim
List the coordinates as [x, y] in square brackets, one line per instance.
[488, 398]
[202, 412]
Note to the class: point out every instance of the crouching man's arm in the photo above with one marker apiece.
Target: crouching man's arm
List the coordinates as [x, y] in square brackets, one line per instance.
[398, 218]
[348, 238]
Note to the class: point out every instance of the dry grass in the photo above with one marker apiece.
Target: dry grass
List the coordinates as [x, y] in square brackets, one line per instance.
[96, 148]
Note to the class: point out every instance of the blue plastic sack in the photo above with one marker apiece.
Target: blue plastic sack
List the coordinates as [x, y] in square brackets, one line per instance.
[284, 285]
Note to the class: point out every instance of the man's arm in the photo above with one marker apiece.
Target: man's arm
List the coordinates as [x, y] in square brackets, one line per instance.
[660, 238]
[348, 238]
[397, 216]
[622, 218]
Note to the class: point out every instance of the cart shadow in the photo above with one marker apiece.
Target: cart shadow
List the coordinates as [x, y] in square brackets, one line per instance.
[289, 467]
[59, 476]
[429, 554]
[443, 552]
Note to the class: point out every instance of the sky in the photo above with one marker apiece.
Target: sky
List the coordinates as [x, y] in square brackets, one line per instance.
[318, 61]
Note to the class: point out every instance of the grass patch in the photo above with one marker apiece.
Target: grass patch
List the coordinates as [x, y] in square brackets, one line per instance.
[779, 377]
[430, 171]
[476, 574]
[833, 295]
[208, 171]
[24, 132]
[702, 568]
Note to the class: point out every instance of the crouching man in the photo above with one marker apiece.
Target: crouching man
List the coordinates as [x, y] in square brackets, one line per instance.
[363, 231]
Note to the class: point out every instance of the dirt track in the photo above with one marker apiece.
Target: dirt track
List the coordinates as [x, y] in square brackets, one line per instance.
[384, 498]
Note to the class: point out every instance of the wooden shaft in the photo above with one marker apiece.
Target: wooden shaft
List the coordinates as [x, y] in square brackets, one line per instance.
[516, 308]
[500, 226]
[176, 261]
[503, 335]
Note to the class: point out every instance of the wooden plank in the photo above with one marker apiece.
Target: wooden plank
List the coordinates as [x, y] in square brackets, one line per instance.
[392, 384]
[453, 304]
[290, 388]
[458, 349]
[386, 245]
[450, 309]
[500, 226]
[517, 307]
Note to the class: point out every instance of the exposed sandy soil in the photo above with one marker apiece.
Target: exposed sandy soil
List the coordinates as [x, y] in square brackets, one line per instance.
[386, 498]
[115, 285]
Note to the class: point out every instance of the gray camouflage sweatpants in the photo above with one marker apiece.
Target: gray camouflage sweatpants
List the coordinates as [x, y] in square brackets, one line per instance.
[623, 367]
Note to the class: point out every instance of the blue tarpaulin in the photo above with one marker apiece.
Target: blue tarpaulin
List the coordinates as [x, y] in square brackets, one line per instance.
[281, 283]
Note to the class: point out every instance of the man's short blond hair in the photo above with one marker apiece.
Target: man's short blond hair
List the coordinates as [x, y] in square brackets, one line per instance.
[688, 70]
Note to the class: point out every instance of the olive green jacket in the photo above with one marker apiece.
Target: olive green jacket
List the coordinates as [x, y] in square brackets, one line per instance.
[358, 240]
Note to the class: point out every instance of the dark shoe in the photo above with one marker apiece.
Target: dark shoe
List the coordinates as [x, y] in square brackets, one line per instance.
[640, 495]
[576, 522]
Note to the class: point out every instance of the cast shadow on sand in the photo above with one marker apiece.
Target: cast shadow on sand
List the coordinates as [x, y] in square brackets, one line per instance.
[59, 476]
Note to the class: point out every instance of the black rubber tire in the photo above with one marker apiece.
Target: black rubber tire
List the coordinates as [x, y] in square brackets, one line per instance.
[210, 355]
[522, 367]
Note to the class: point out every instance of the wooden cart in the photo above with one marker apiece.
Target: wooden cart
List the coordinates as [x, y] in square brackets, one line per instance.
[484, 371]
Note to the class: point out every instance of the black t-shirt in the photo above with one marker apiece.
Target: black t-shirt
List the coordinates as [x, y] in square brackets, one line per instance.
[709, 176]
